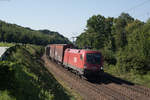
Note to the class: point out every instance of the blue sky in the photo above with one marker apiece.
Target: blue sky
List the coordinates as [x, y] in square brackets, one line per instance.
[67, 17]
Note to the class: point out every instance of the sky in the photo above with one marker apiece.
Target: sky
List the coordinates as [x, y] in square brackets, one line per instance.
[68, 17]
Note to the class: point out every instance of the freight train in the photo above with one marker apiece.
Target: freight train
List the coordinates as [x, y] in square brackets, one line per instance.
[83, 61]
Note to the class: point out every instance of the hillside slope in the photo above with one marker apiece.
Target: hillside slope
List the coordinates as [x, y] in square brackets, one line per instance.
[23, 76]
[18, 34]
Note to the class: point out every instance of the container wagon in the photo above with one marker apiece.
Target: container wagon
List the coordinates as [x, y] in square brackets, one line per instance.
[57, 51]
[47, 50]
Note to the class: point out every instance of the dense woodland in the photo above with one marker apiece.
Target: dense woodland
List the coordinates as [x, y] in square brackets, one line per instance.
[14, 33]
[124, 42]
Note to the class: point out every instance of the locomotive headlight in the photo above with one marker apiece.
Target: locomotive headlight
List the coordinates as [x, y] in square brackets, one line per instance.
[101, 67]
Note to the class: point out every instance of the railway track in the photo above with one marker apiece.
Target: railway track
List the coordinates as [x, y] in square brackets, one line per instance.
[137, 90]
[112, 90]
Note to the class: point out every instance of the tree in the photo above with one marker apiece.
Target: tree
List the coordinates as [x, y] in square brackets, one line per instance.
[18, 34]
[96, 31]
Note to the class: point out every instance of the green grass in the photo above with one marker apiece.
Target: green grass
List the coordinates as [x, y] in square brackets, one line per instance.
[23, 76]
[4, 95]
[4, 44]
[129, 76]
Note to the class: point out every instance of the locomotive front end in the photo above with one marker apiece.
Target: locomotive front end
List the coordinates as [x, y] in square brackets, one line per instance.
[93, 63]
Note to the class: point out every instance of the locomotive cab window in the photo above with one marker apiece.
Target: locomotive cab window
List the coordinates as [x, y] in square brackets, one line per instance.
[93, 58]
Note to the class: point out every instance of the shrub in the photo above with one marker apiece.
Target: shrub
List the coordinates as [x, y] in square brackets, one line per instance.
[7, 77]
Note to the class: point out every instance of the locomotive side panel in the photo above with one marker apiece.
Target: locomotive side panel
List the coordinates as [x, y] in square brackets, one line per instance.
[72, 59]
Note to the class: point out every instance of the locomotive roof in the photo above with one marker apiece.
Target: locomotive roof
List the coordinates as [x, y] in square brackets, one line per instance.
[59, 44]
[80, 50]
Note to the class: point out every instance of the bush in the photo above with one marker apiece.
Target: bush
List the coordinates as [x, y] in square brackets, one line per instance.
[7, 77]
[109, 57]
[130, 61]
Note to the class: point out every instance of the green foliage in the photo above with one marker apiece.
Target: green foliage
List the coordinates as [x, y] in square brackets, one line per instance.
[25, 77]
[123, 41]
[5, 95]
[118, 30]
[6, 75]
[18, 34]
[97, 32]
[4, 44]
[96, 24]
[128, 61]
[109, 56]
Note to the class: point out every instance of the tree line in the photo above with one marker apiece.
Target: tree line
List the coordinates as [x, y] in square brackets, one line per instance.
[124, 41]
[18, 34]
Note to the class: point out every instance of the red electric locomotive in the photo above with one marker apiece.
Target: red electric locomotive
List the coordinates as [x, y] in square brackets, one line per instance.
[85, 62]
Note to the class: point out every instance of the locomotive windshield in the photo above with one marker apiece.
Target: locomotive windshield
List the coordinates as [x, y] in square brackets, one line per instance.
[93, 58]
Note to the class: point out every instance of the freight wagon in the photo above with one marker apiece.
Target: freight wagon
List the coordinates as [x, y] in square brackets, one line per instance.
[47, 50]
[57, 51]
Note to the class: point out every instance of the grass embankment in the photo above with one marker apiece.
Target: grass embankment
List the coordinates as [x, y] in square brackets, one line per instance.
[143, 79]
[4, 44]
[23, 76]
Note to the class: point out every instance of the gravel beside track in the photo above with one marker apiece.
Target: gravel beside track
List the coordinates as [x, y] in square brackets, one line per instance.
[110, 88]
